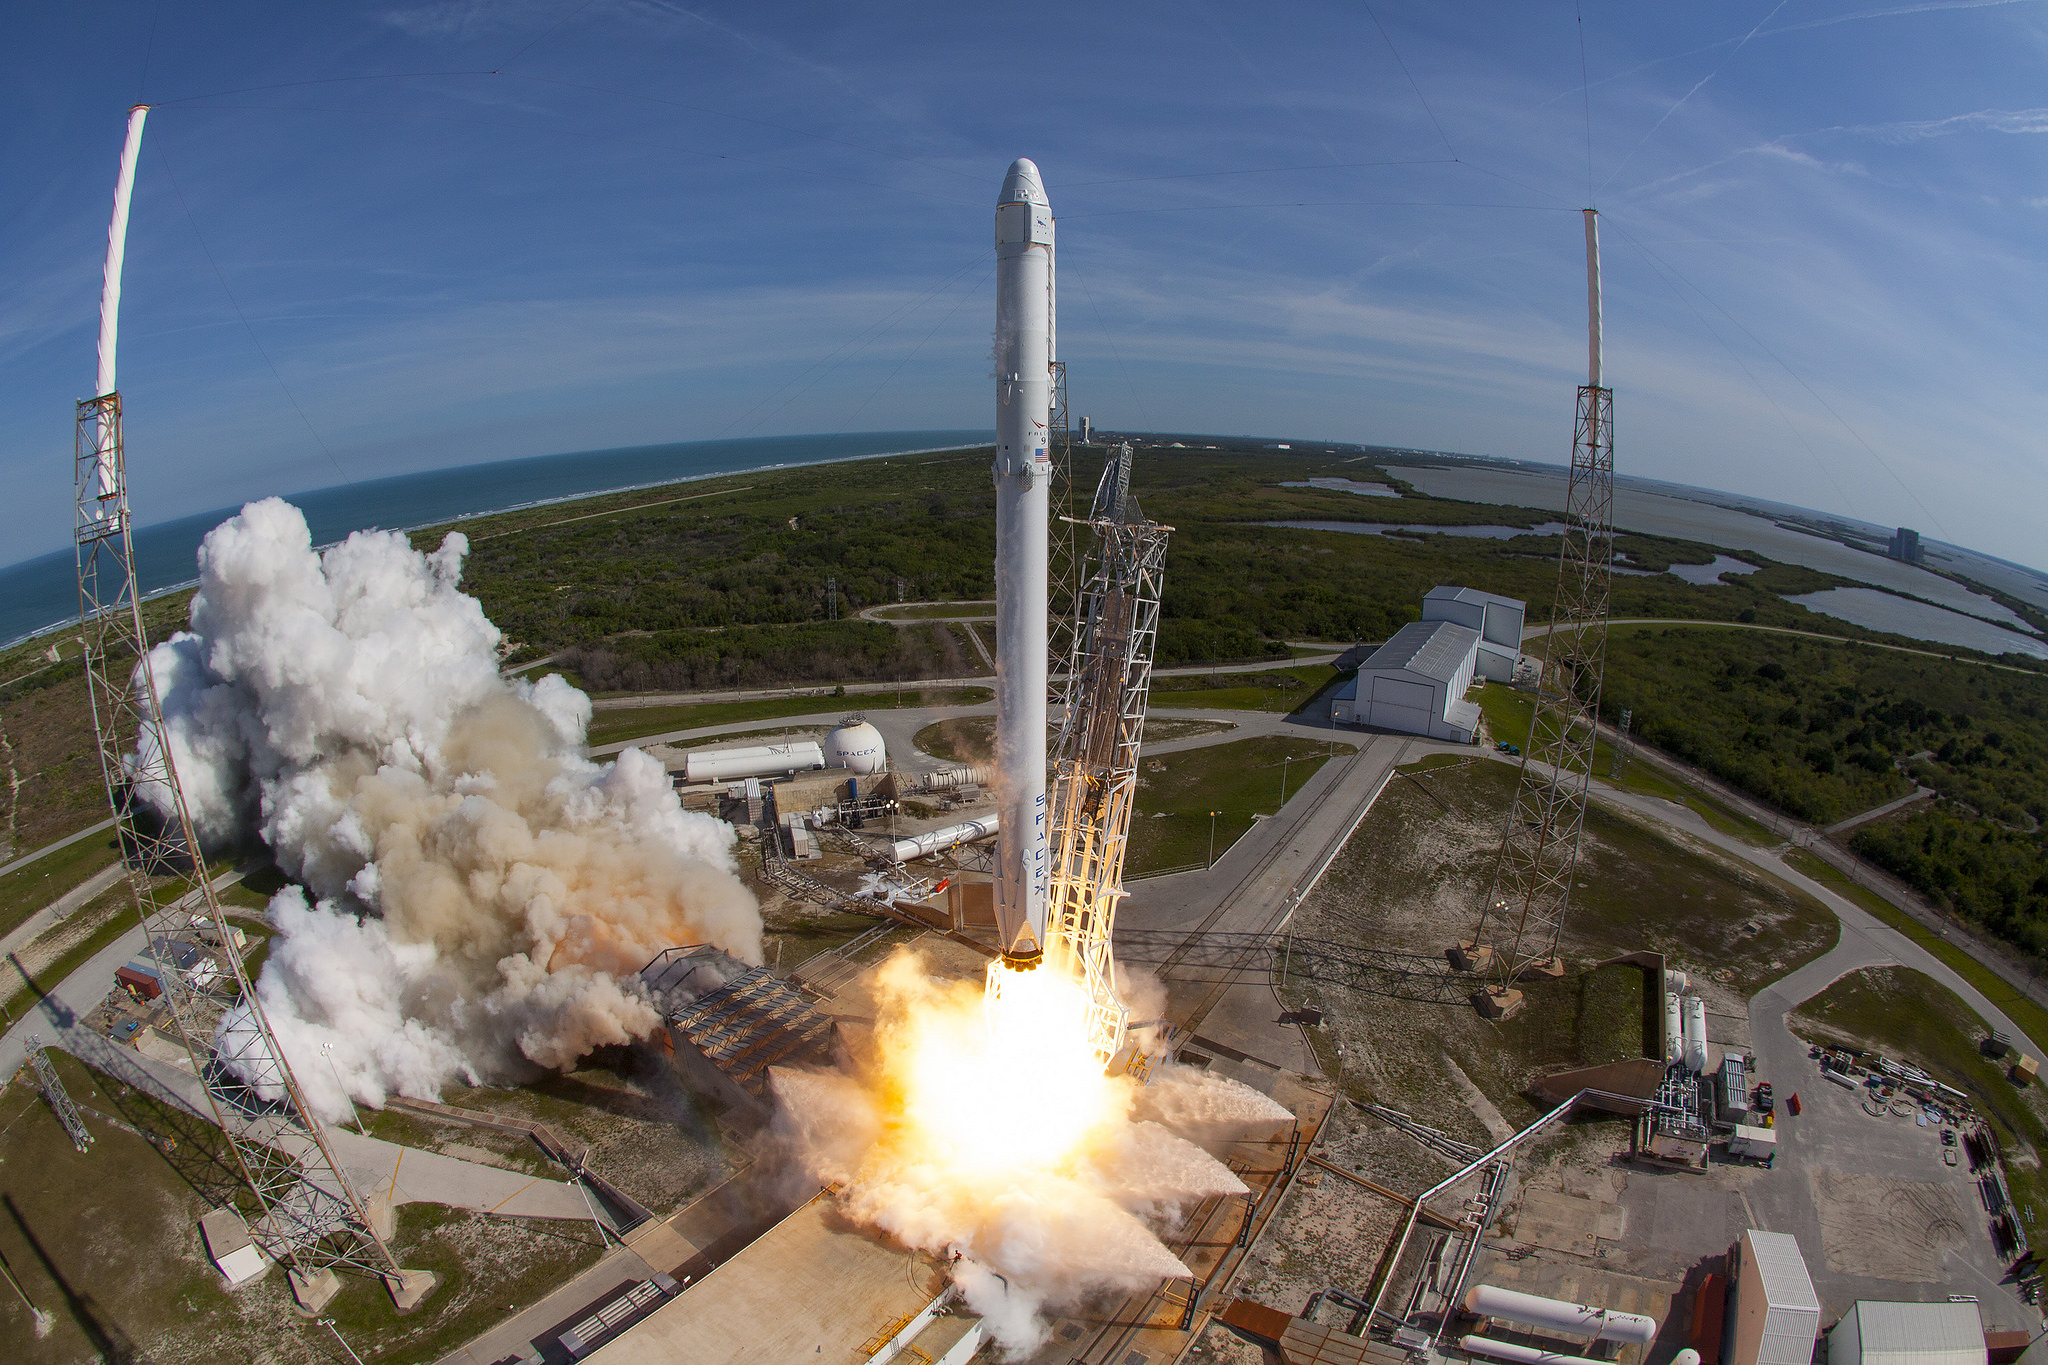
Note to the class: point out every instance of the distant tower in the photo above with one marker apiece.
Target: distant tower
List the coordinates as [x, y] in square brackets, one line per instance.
[1523, 913]
[1905, 545]
[306, 1214]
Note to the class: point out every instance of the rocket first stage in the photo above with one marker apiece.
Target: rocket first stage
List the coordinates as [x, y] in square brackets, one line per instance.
[1024, 350]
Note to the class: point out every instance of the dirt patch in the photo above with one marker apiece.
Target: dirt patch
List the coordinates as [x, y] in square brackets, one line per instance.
[1885, 1229]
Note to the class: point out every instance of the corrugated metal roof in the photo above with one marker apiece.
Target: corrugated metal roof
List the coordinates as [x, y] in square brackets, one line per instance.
[1433, 649]
[1474, 596]
[1782, 1270]
[1922, 1333]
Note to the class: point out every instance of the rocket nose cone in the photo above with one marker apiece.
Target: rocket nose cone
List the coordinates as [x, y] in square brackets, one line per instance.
[1022, 185]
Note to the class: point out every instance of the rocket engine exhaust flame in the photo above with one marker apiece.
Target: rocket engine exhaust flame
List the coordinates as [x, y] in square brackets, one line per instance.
[981, 1125]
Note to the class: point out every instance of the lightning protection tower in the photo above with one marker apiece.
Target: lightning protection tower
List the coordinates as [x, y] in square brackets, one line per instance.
[1524, 911]
[59, 1099]
[1095, 776]
[302, 1210]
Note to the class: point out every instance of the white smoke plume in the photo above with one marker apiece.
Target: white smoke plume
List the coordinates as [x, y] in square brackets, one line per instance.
[481, 895]
[1037, 1224]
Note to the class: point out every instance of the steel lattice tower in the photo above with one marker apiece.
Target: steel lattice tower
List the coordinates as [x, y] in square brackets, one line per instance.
[303, 1211]
[1095, 777]
[1062, 561]
[52, 1086]
[1530, 891]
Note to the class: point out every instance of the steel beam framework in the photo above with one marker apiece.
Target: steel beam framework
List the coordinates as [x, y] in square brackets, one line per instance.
[1095, 775]
[305, 1214]
[1530, 891]
[52, 1086]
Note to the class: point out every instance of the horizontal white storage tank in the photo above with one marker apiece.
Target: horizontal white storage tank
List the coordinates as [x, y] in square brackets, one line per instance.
[1695, 1033]
[762, 760]
[1674, 1028]
[923, 845]
[1521, 1355]
[1574, 1319]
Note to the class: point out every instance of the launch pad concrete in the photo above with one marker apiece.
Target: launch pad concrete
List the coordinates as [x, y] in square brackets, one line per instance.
[813, 1289]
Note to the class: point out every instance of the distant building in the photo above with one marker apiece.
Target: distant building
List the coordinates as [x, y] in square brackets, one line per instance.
[1497, 619]
[1087, 430]
[1415, 683]
[1905, 546]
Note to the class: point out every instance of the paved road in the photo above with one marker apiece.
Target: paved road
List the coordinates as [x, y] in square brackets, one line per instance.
[67, 841]
[25, 933]
[1917, 794]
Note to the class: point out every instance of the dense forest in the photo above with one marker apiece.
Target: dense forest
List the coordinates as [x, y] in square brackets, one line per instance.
[632, 581]
[1824, 731]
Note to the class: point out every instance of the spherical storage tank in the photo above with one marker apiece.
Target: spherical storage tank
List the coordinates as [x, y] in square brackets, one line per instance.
[856, 746]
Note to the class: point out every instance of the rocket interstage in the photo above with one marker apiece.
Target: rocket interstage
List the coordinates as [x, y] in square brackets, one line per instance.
[1023, 478]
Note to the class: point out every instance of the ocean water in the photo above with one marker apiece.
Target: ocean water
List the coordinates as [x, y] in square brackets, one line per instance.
[42, 592]
[1369, 490]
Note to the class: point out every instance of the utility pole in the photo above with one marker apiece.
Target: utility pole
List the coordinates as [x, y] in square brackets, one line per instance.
[1212, 836]
[1283, 782]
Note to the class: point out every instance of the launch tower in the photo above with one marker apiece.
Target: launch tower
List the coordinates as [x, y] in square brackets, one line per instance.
[1530, 892]
[1095, 781]
[301, 1209]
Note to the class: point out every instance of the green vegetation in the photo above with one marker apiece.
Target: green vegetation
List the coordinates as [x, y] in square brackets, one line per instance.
[1825, 730]
[766, 656]
[615, 723]
[971, 739]
[1904, 1014]
[1241, 780]
[28, 889]
[114, 911]
[1587, 1018]
[2020, 1008]
[1268, 689]
[133, 1192]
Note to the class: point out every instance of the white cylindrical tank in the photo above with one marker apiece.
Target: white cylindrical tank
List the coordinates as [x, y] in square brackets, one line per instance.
[1676, 982]
[1674, 1028]
[951, 777]
[1695, 1033]
[923, 845]
[1521, 1355]
[1574, 1319]
[856, 746]
[761, 760]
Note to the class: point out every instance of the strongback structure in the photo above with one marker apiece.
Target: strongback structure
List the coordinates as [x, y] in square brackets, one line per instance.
[300, 1207]
[1524, 911]
[1108, 681]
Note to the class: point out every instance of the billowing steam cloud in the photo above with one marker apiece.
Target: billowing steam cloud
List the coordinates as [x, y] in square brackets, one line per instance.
[1047, 1179]
[482, 895]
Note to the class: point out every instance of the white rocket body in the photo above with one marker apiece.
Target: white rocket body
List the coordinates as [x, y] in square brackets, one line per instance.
[1024, 342]
[110, 286]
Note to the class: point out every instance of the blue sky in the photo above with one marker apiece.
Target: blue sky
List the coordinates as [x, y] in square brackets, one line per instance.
[552, 226]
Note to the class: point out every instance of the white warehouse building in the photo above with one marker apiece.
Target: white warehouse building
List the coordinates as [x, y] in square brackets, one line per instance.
[1497, 619]
[1415, 683]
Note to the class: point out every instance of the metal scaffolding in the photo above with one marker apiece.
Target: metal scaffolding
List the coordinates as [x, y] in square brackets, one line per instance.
[305, 1213]
[1530, 891]
[52, 1086]
[1095, 775]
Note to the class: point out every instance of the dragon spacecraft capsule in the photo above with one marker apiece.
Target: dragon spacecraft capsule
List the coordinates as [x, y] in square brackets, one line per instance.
[1025, 342]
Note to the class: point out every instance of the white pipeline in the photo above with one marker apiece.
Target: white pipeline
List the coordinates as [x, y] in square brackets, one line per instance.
[1575, 1319]
[1023, 475]
[924, 845]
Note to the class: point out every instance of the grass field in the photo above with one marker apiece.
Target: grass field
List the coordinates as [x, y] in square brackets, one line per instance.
[28, 889]
[138, 1287]
[615, 723]
[2019, 1008]
[1278, 689]
[1904, 1013]
[1170, 827]
[971, 739]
